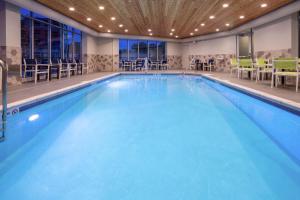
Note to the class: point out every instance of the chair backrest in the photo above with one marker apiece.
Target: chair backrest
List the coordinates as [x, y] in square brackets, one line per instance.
[29, 61]
[211, 61]
[285, 64]
[245, 63]
[64, 61]
[233, 61]
[54, 61]
[261, 62]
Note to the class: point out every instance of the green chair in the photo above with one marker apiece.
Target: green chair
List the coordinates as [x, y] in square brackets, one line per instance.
[245, 65]
[262, 67]
[285, 67]
[233, 65]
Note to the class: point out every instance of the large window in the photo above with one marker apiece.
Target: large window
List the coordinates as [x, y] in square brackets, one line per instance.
[45, 39]
[133, 49]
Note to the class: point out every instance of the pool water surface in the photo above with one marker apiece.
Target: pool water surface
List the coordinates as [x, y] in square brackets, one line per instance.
[152, 137]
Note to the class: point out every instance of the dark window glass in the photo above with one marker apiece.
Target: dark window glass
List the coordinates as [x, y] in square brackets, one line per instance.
[133, 49]
[68, 28]
[143, 49]
[161, 50]
[41, 41]
[123, 49]
[56, 43]
[68, 50]
[77, 46]
[26, 37]
[56, 23]
[152, 50]
[76, 31]
[25, 12]
[40, 17]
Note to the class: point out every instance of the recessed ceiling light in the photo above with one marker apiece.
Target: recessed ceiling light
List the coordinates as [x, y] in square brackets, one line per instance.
[100, 26]
[225, 5]
[113, 18]
[171, 33]
[120, 25]
[227, 24]
[191, 33]
[126, 30]
[150, 33]
[196, 29]
[89, 19]
[172, 29]
[176, 36]
[101, 7]
[71, 9]
[149, 30]
[242, 17]
[217, 30]
[211, 17]
[263, 5]
[108, 31]
[202, 24]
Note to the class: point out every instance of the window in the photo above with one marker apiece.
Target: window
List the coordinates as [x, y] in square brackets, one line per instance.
[68, 49]
[26, 37]
[56, 43]
[123, 49]
[152, 50]
[133, 49]
[43, 38]
[77, 46]
[41, 41]
[143, 49]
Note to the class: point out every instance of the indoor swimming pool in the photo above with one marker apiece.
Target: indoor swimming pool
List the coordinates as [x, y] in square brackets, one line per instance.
[152, 137]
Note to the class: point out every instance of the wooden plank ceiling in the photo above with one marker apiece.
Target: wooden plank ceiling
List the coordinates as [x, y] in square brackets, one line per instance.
[161, 16]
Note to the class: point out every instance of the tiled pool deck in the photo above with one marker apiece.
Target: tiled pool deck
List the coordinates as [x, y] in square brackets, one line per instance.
[17, 94]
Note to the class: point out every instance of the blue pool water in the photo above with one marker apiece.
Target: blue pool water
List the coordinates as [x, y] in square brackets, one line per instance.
[152, 137]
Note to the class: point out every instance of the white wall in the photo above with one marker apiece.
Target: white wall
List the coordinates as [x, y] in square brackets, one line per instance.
[274, 36]
[100, 46]
[174, 49]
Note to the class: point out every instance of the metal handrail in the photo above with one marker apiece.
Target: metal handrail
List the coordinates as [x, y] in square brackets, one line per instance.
[4, 99]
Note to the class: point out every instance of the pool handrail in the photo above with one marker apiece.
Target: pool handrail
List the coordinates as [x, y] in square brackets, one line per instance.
[3, 66]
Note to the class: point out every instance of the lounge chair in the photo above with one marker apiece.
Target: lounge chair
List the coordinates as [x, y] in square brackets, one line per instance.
[285, 67]
[246, 65]
[233, 65]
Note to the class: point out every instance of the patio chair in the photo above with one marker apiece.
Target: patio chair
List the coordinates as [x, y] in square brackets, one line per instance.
[233, 65]
[164, 65]
[192, 64]
[246, 65]
[32, 67]
[262, 67]
[210, 64]
[81, 67]
[55, 66]
[140, 64]
[285, 67]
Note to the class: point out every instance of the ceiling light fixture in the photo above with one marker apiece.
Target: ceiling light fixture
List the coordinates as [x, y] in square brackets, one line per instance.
[149, 30]
[211, 17]
[196, 29]
[227, 24]
[89, 19]
[176, 36]
[225, 5]
[242, 17]
[172, 29]
[202, 24]
[171, 33]
[150, 33]
[113, 18]
[71, 9]
[100, 26]
[108, 31]
[101, 7]
[120, 25]
[217, 30]
[126, 30]
[263, 5]
[191, 33]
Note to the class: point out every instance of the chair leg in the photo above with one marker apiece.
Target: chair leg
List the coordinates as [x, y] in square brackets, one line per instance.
[272, 81]
[276, 81]
[297, 82]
